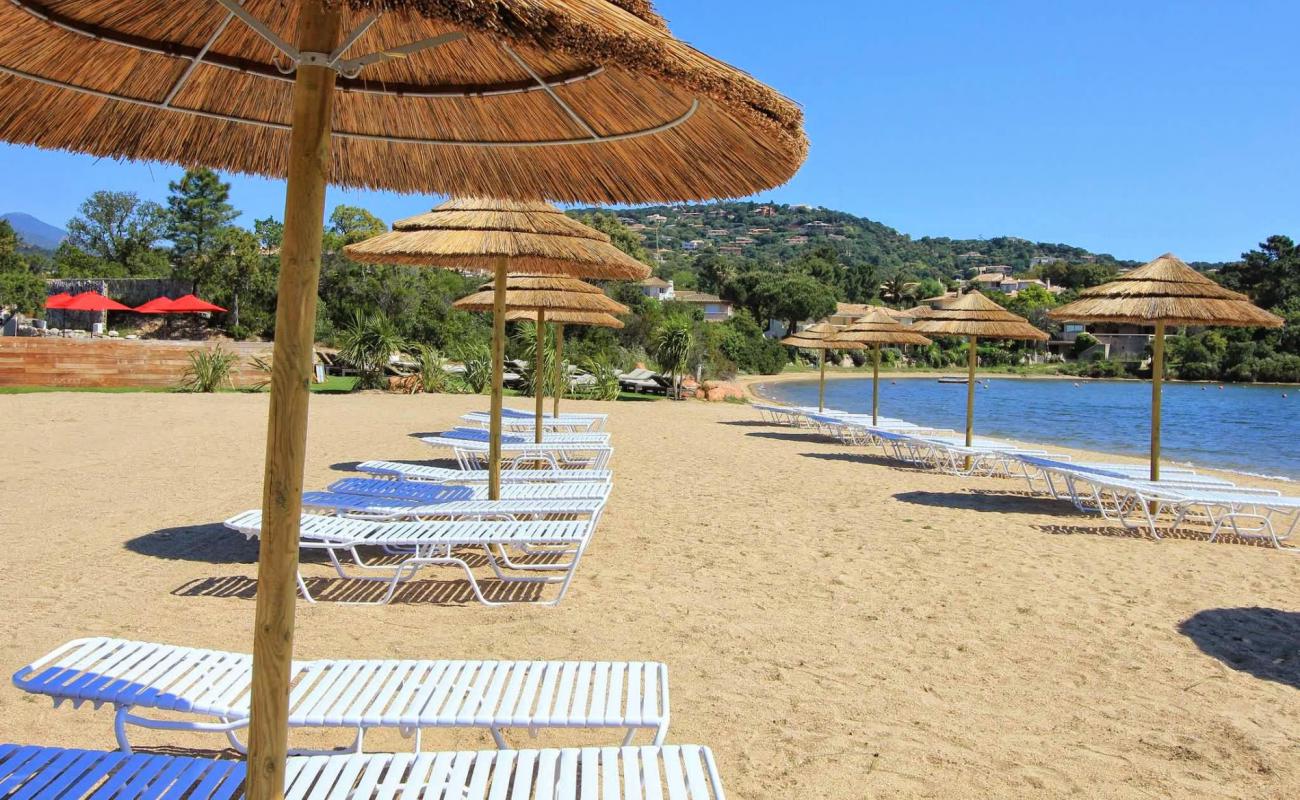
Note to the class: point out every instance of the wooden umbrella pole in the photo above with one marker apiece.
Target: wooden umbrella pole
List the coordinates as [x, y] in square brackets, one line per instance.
[970, 392]
[875, 385]
[561, 375]
[286, 435]
[539, 375]
[821, 384]
[1157, 377]
[498, 370]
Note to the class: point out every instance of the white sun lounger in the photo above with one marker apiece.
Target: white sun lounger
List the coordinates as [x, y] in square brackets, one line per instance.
[424, 491]
[675, 772]
[519, 421]
[405, 471]
[1248, 514]
[472, 454]
[363, 506]
[351, 694]
[423, 544]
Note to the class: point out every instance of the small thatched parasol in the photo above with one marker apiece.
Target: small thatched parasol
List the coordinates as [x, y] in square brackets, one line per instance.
[1164, 292]
[507, 237]
[976, 317]
[474, 233]
[538, 295]
[577, 100]
[820, 337]
[559, 319]
[874, 329]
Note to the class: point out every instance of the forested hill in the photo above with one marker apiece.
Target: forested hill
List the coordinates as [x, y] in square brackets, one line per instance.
[781, 233]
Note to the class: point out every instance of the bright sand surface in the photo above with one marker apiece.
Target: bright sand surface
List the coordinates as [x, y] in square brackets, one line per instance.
[834, 626]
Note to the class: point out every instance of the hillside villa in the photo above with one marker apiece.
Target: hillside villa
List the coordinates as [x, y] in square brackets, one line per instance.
[715, 308]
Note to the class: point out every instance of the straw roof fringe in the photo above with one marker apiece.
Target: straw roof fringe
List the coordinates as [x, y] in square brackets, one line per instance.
[568, 318]
[878, 327]
[659, 121]
[973, 314]
[530, 293]
[820, 336]
[1165, 290]
[472, 233]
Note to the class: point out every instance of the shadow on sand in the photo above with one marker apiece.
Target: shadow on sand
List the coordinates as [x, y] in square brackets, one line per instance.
[1263, 642]
[750, 423]
[861, 457]
[806, 437]
[351, 466]
[210, 543]
[341, 590]
[993, 502]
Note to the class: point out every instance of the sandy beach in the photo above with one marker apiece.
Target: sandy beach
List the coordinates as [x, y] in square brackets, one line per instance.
[835, 626]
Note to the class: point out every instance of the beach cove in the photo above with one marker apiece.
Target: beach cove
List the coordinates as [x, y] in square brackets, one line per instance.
[835, 625]
[1250, 421]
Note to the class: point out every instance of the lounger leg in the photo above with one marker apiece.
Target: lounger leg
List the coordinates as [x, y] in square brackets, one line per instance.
[499, 737]
[119, 728]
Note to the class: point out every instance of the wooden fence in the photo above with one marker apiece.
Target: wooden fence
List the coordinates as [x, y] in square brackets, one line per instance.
[54, 361]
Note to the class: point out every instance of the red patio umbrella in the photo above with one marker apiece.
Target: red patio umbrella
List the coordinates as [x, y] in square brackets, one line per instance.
[59, 300]
[158, 305]
[94, 301]
[189, 304]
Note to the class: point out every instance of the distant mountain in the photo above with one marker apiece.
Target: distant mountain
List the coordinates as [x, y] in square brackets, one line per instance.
[33, 232]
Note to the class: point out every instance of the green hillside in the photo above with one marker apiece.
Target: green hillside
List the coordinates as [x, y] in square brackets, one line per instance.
[778, 234]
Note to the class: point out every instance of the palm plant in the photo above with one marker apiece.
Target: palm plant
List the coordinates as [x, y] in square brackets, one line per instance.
[261, 363]
[525, 340]
[478, 366]
[431, 377]
[367, 343]
[673, 342]
[208, 371]
[605, 386]
[898, 289]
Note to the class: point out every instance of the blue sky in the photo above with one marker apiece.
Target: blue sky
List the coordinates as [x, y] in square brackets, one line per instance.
[1124, 127]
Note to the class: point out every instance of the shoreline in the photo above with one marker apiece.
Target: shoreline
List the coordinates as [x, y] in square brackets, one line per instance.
[1256, 479]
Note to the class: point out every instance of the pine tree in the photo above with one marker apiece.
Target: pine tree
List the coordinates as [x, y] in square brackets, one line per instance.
[198, 214]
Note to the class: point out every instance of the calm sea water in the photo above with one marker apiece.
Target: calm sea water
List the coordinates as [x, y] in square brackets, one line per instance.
[1251, 429]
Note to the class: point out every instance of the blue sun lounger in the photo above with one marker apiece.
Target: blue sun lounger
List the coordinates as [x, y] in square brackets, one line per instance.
[612, 773]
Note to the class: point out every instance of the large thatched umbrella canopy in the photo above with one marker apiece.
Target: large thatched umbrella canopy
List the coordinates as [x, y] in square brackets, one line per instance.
[578, 100]
[875, 329]
[538, 294]
[559, 319]
[1164, 292]
[820, 336]
[976, 317]
[574, 100]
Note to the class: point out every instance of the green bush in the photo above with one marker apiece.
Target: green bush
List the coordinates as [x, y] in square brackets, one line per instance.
[208, 371]
[1083, 343]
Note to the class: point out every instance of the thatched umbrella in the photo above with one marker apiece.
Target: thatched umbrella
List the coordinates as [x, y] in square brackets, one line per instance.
[820, 337]
[874, 329]
[507, 237]
[539, 295]
[559, 319]
[976, 317]
[576, 100]
[1164, 292]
